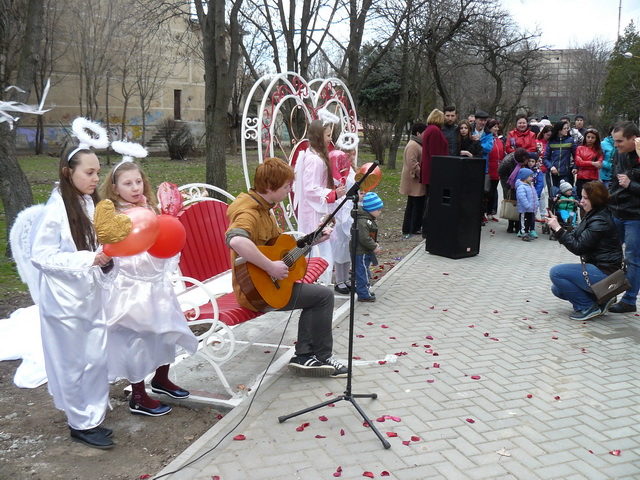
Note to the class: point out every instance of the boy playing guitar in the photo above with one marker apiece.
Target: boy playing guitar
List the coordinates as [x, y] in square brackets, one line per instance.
[253, 225]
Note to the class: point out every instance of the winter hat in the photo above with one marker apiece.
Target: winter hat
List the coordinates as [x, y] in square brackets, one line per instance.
[481, 114]
[371, 202]
[565, 186]
[524, 173]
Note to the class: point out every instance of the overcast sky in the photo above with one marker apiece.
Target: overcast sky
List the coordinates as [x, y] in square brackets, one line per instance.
[567, 23]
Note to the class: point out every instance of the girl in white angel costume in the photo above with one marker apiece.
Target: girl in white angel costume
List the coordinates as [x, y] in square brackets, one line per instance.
[144, 318]
[74, 333]
[343, 164]
[315, 192]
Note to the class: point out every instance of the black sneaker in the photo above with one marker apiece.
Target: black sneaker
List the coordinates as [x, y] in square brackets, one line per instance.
[342, 289]
[622, 307]
[310, 367]
[587, 314]
[340, 370]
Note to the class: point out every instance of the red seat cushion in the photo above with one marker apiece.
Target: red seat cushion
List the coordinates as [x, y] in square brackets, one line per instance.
[315, 267]
[230, 312]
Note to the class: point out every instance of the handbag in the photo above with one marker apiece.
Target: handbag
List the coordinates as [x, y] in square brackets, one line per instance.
[608, 287]
[509, 209]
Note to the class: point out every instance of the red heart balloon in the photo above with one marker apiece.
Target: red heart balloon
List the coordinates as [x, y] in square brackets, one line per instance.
[144, 231]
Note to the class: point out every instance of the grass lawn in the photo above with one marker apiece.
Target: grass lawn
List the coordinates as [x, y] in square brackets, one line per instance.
[42, 172]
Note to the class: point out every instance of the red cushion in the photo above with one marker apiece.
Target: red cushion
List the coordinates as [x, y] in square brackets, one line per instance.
[315, 267]
[230, 312]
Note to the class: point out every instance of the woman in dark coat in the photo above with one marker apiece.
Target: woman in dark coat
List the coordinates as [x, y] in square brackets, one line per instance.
[596, 240]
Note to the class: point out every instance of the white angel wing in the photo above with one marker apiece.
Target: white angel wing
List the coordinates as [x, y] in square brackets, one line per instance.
[20, 238]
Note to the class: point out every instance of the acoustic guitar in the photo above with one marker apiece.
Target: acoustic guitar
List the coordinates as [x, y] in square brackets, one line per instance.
[263, 291]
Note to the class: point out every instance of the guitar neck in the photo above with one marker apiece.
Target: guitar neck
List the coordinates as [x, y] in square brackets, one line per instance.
[294, 254]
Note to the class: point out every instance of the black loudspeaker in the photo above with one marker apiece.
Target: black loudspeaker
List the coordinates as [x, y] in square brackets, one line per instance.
[454, 210]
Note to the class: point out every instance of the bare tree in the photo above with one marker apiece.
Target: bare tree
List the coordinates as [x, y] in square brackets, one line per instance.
[14, 186]
[99, 24]
[53, 48]
[151, 69]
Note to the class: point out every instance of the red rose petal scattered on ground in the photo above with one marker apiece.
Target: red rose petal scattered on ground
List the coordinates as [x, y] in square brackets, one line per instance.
[215, 477]
[615, 452]
[427, 346]
[486, 334]
[435, 354]
[406, 442]
[219, 416]
[529, 396]
[144, 477]
[239, 437]
[322, 418]
[331, 405]
[368, 474]
[395, 419]
[530, 327]
[396, 371]
[338, 472]
[428, 350]
[472, 326]
[365, 424]
[432, 307]
[429, 337]
[392, 338]
[557, 397]
[342, 432]
[590, 451]
[392, 434]
[415, 345]
[471, 420]
[382, 362]
[369, 323]
[380, 419]
[415, 438]
[496, 311]
[436, 365]
[445, 309]
[475, 377]
[360, 336]
[445, 273]
[302, 427]
[320, 436]
[384, 326]
[543, 311]
[494, 339]
[384, 473]
[430, 380]
[328, 394]
[554, 338]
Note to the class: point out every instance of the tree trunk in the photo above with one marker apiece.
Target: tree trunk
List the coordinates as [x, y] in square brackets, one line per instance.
[14, 186]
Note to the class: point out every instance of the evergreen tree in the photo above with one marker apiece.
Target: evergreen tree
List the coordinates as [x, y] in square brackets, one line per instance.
[621, 95]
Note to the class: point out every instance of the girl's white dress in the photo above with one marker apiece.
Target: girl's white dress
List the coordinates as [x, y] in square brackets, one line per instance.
[74, 332]
[310, 199]
[146, 326]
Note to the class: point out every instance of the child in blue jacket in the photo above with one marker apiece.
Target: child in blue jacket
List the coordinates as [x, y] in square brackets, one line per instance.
[527, 199]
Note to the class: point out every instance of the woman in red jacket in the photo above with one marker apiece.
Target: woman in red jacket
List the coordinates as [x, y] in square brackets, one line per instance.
[521, 136]
[588, 159]
[433, 143]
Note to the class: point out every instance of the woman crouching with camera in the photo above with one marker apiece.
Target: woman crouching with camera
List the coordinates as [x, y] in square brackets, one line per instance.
[596, 240]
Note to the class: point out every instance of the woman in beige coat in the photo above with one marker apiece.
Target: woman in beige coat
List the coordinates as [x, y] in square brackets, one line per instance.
[410, 183]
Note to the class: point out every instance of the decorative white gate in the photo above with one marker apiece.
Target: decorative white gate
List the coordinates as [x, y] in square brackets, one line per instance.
[283, 103]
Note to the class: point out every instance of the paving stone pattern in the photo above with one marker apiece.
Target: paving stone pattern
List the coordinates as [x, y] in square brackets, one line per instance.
[448, 321]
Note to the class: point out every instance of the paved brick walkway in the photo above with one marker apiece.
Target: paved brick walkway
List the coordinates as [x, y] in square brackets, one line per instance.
[448, 321]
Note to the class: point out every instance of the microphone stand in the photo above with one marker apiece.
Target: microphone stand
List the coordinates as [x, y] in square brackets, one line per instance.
[348, 396]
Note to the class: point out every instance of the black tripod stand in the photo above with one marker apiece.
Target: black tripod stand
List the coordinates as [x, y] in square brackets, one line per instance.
[348, 395]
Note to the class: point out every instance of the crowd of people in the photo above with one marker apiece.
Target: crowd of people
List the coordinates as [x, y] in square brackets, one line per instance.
[105, 318]
[583, 187]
